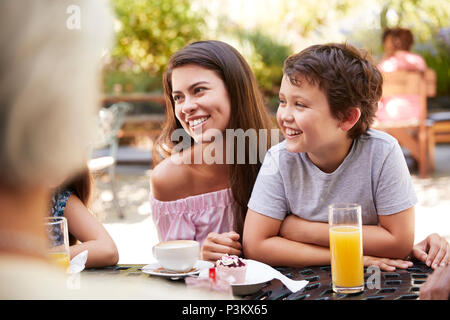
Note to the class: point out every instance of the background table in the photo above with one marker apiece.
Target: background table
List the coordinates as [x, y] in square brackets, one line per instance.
[402, 284]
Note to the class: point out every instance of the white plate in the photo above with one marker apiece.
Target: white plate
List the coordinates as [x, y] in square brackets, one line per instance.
[256, 276]
[155, 269]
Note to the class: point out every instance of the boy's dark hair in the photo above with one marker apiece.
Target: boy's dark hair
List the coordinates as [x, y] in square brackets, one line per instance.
[403, 39]
[345, 74]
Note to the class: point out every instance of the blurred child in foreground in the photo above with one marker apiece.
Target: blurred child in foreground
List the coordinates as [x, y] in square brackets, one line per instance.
[71, 200]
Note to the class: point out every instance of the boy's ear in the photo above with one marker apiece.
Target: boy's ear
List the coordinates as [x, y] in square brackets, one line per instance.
[351, 118]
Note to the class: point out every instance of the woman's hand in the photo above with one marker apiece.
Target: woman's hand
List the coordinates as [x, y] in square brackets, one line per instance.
[434, 250]
[437, 286]
[386, 264]
[216, 245]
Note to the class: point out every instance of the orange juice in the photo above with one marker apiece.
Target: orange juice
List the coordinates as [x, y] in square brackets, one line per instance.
[347, 269]
[60, 259]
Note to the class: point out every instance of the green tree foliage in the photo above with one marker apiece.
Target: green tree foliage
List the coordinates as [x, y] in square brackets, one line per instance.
[148, 32]
[425, 17]
[267, 56]
[436, 53]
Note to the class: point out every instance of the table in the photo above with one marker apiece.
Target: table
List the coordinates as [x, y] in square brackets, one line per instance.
[402, 284]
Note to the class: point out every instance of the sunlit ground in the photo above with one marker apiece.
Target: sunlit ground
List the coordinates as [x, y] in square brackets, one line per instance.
[136, 234]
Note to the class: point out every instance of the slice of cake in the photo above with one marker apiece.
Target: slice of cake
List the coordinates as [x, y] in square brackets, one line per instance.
[232, 268]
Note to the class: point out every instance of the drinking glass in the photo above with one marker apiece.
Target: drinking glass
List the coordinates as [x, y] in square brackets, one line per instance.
[347, 269]
[58, 236]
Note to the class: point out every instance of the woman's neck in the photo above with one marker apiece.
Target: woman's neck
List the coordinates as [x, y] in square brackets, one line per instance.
[208, 166]
[211, 154]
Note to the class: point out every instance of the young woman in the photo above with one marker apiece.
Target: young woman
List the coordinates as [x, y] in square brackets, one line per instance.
[85, 231]
[209, 88]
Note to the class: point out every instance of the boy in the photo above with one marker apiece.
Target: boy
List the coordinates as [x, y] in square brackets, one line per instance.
[328, 99]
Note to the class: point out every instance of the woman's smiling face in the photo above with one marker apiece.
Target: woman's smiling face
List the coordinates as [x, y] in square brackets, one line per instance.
[201, 101]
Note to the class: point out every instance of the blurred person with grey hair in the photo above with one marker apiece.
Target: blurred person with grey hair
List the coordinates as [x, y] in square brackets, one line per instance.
[49, 95]
[49, 92]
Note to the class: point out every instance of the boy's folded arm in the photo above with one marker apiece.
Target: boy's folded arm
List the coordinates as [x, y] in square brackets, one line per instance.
[261, 241]
[298, 229]
[393, 238]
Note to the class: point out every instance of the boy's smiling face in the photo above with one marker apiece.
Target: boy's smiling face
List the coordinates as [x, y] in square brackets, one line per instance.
[306, 121]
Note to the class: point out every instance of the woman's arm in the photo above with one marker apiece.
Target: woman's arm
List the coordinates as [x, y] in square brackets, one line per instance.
[102, 250]
[262, 242]
[393, 238]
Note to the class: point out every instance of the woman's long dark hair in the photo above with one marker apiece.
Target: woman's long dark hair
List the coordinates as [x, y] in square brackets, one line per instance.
[81, 186]
[247, 111]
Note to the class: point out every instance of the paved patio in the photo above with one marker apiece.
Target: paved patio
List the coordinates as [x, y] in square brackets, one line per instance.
[136, 234]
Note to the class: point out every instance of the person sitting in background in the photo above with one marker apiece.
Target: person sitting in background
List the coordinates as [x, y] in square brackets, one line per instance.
[72, 201]
[397, 43]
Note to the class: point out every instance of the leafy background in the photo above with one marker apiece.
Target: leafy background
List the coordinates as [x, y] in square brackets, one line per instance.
[148, 32]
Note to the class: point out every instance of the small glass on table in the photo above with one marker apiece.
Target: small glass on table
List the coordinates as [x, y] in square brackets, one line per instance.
[347, 268]
[58, 236]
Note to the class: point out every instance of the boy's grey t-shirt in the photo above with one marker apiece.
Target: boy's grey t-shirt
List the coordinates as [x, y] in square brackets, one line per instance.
[374, 174]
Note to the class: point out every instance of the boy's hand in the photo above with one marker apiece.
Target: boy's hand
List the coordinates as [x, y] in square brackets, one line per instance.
[386, 264]
[218, 244]
[434, 250]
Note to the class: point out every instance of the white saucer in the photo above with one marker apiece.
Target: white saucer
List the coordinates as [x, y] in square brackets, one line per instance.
[257, 275]
[155, 269]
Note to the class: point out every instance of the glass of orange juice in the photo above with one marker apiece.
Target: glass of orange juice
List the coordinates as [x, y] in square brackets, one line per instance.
[58, 235]
[347, 269]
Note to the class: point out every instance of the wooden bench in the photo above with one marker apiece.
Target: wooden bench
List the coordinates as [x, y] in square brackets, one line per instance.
[134, 97]
[441, 126]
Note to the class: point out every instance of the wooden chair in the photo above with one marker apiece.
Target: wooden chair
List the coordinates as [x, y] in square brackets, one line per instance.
[104, 149]
[410, 126]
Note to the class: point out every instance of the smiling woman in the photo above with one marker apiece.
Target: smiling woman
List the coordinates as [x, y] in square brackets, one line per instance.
[209, 88]
[201, 101]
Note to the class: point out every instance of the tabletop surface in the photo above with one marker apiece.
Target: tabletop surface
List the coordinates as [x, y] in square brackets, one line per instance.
[402, 284]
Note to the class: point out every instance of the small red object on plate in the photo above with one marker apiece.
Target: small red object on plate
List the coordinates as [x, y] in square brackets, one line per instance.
[212, 274]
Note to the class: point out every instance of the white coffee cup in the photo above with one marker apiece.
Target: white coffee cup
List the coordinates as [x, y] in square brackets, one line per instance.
[177, 255]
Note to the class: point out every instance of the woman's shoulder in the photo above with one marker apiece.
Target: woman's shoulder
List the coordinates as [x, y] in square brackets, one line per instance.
[59, 202]
[169, 181]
